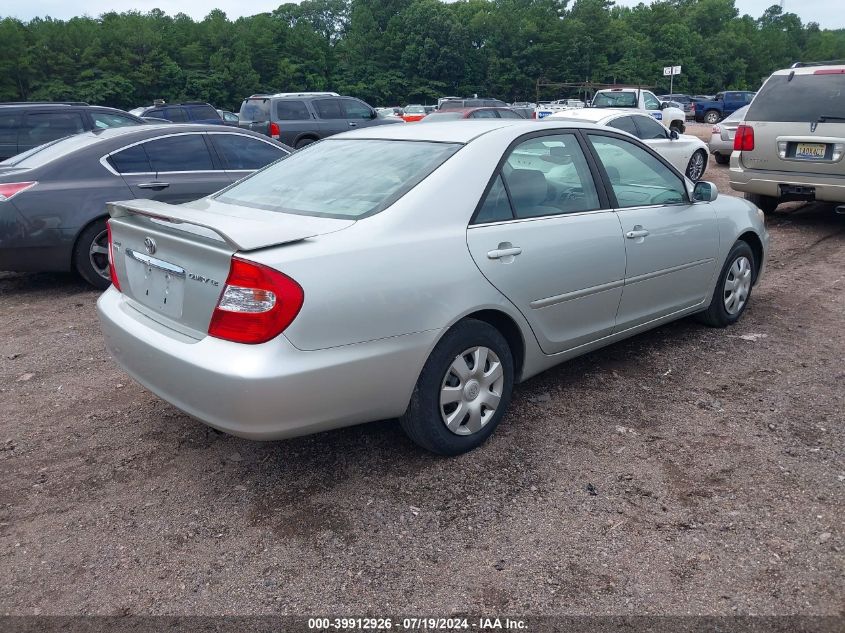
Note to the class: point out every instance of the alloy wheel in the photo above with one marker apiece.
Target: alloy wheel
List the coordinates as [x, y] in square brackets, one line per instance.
[695, 170]
[98, 254]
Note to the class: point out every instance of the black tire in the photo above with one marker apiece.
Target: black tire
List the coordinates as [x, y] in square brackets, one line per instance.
[722, 159]
[716, 314]
[767, 204]
[679, 127]
[712, 117]
[423, 422]
[82, 257]
[303, 142]
[697, 165]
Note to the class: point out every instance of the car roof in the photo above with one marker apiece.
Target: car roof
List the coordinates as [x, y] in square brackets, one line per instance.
[809, 69]
[593, 114]
[460, 131]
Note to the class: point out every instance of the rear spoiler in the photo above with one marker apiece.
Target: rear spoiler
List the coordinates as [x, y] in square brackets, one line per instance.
[244, 228]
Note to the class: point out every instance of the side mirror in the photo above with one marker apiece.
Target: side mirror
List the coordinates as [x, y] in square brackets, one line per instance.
[673, 134]
[373, 114]
[663, 105]
[704, 192]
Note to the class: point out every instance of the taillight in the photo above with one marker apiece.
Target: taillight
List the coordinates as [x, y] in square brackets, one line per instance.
[275, 131]
[9, 190]
[256, 305]
[744, 139]
[716, 130]
[112, 271]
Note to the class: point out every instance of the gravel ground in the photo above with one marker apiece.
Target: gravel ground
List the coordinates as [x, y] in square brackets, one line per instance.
[687, 470]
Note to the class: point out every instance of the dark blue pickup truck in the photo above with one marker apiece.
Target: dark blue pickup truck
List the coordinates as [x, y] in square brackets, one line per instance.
[725, 104]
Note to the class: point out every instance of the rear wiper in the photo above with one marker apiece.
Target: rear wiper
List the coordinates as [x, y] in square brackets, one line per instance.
[830, 117]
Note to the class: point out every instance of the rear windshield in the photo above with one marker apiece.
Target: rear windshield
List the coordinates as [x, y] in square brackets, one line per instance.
[255, 110]
[615, 100]
[341, 178]
[807, 98]
[43, 154]
[443, 116]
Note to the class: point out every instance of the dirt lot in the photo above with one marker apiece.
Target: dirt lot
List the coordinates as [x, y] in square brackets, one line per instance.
[688, 470]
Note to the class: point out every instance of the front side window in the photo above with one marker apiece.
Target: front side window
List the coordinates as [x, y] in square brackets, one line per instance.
[177, 115]
[48, 126]
[366, 176]
[548, 175]
[245, 153]
[183, 152]
[483, 114]
[203, 112]
[329, 109]
[357, 110]
[651, 102]
[103, 120]
[637, 177]
[508, 114]
[650, 129]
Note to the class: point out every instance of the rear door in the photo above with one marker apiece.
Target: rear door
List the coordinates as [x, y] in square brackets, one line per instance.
[799, 124]
[544, 235]
[332, 116]
[293, 118]
[670, 243]
[9, 124]
[174, 168]
[43, 125]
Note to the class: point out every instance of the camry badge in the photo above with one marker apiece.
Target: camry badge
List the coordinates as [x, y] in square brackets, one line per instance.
[150, 245]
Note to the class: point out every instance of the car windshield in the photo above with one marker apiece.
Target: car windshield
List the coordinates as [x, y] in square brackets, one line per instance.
[414, 110]
[341, 178]
[255, 110]
[804, 98]
[615, 100]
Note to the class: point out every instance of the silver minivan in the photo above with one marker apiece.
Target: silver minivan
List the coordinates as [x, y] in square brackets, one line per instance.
[792, 142]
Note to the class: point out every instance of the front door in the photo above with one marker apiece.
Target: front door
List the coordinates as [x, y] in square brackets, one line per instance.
[671, 243]
[546, 238]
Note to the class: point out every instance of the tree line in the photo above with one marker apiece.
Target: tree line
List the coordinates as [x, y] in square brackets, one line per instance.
[390, 52]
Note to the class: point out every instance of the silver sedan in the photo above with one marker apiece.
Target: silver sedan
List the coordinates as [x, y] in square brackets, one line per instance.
[416, 272]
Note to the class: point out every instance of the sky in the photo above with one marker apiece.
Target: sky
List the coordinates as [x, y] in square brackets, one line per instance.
[828, 13]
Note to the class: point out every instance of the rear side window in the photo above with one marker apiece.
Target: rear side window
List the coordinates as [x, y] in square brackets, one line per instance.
[484, 114]
[185, 152]
[48, 126]
[496, 207]
[131, 160]
[8, 128]
[508, 114]
[177, 115]
[292, 111]
[157, 114]
[203, 112]
[807, 98]
[243, 152]
[329, 109]
[255, 110]
[626, 124]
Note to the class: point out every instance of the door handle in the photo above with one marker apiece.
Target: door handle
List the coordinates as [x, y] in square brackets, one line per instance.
[154, 185]
[504, 252]
[352, 124]
[636, 233]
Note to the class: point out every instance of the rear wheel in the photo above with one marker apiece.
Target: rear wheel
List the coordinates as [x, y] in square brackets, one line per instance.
[303, 142]
[697, 165]
[767, 204]
[462, 392]
[712, 117]
[91, 255]
[733, 290]
[722, 159]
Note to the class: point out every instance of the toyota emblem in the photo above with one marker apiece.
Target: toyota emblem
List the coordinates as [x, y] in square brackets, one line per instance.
[150, 245]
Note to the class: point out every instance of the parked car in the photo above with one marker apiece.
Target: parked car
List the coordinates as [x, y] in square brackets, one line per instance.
[391, 273]
[413, 113]
[384, 113]
[686, 153]
[792, 142]
[188, 112]
[299, 119]
[27, 125]
[229, 118]
[53, 198]
[725, 103]
[472, 113]
[525, 109]
[685, 102]
[460, 104]
[643, 100]
[722, 136]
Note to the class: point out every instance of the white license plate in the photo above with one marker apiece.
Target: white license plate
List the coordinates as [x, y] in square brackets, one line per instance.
[156, 284]
[810, 151]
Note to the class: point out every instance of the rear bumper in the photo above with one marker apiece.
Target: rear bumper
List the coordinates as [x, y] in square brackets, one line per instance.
[269, 391]
[828, 188]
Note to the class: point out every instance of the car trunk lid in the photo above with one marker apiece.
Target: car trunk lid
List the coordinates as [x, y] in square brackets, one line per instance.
[172, 261]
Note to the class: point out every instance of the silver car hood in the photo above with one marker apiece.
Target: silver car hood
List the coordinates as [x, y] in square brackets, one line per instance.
[244, 228]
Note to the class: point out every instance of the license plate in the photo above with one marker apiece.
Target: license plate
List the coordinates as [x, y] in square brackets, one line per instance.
[156, 284]
[810, 151]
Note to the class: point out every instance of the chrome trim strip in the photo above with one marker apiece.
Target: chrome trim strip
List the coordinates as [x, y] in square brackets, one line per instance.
[667, 271]
[576, 294]
[155, 262]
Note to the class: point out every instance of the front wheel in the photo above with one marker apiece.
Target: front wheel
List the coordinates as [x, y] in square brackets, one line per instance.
[463, 390]
[697, 166]
[733, 290]
[91, 255]
[678, 127]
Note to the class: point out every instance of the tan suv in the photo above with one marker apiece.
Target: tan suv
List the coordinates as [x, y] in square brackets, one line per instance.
[792, 142]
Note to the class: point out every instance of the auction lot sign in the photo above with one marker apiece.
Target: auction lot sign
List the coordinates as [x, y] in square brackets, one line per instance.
[481, 623]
